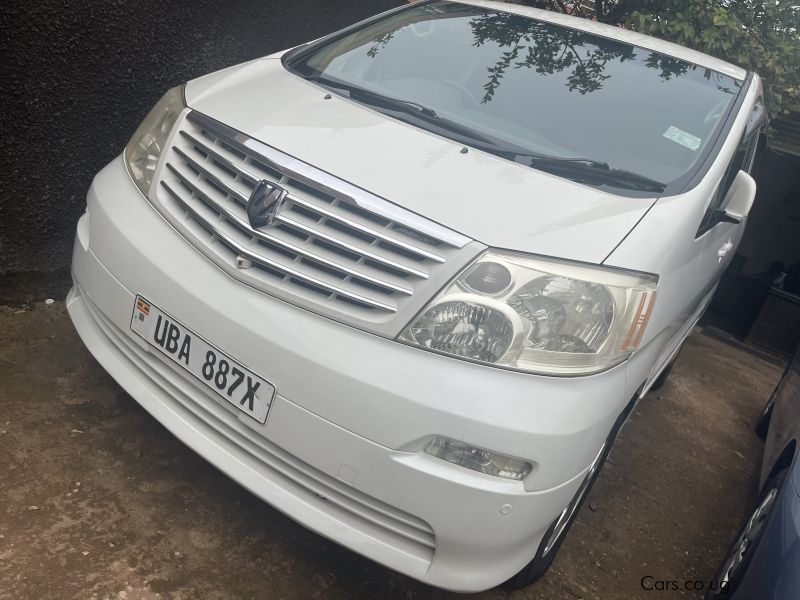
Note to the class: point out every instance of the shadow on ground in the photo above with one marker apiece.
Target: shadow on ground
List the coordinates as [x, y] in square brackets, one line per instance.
[97, 500]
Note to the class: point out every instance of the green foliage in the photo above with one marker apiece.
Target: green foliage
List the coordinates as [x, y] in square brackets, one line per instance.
[530, 44]
[761, 36]
[607, 11]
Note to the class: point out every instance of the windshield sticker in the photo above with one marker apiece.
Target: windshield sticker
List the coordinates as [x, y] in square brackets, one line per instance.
[684, 138]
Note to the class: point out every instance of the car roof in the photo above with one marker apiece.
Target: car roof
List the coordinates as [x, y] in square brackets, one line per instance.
[617, 33]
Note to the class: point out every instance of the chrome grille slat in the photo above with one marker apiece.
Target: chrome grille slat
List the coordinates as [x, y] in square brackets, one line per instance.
[272, 264]
[253, 179]
[329, 214]
[309, 175]
[313, 206]
[311, 231]
[245, 228]
[206, 172]
[326, 245]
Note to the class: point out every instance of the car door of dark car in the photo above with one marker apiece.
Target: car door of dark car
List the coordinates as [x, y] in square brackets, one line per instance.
[784, 428]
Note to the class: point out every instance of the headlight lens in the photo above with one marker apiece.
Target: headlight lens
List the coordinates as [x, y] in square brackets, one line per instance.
[537, 315]
[467, 329]
[147, 144]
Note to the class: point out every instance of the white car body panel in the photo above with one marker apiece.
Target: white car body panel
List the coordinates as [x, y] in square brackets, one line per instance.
[418, 170]
[666, 242]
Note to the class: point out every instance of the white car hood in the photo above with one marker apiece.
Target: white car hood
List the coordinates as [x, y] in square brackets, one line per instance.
[490, 199]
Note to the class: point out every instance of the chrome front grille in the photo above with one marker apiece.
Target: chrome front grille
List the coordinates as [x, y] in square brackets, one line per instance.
[331, 247]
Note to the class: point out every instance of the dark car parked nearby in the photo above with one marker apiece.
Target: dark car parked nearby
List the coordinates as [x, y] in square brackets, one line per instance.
[764, 560]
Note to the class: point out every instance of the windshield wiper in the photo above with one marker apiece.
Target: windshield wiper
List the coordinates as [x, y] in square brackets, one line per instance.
[370, 97]
[631, 180]
[440, 124]
[595, 171]
[587, 170]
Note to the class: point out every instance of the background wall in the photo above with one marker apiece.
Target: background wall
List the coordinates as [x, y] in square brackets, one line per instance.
[77, 76]
[773, 227]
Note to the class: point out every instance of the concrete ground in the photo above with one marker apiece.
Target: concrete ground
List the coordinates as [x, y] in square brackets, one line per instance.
[97, 500]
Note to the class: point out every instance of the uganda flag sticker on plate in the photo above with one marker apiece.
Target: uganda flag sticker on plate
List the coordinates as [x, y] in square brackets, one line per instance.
[142, 308]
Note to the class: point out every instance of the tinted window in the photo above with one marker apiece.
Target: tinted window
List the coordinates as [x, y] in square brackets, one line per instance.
[536, 86]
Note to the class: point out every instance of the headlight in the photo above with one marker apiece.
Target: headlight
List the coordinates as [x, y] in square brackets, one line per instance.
[537, 315]
[147, 144]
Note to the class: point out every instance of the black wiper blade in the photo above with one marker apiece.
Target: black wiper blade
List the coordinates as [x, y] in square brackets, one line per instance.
[522, 156]
[635, 180]
[541, 159]
[594, 171]
[446, 127]
[398, 103]
[580, 168]
[375, 98]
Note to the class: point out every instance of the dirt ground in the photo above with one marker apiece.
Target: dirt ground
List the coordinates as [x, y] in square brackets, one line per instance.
[97, 500]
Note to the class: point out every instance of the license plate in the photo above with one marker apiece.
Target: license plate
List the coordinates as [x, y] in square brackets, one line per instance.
[219, 372]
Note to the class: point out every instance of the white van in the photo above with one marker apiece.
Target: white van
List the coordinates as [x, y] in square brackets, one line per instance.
[406, 282]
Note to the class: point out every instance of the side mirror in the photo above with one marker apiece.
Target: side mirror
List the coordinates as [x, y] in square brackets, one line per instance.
[740, 197]
[738, 201]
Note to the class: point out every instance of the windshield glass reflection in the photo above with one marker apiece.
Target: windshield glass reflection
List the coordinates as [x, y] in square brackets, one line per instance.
[535, 86]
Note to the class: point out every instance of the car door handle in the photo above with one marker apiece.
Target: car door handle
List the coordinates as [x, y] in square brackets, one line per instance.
[724, 249]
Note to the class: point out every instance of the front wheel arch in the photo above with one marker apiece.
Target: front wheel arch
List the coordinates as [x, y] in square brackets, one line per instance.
[542, 561]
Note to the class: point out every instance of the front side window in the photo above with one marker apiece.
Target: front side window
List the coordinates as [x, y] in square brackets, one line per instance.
[743, 160]
[623, 117]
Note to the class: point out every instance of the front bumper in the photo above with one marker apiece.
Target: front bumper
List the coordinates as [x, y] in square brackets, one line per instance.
[341, 451]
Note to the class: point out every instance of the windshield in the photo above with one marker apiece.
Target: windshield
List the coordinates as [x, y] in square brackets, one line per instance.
[618, 112]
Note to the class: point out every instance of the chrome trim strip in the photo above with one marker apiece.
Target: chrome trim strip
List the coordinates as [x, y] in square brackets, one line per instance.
[325, 182]
[316, 208]
[367, 230]
[246, 229]
[290, 272]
